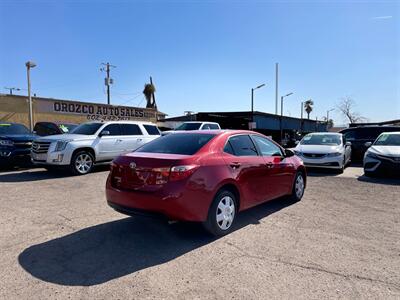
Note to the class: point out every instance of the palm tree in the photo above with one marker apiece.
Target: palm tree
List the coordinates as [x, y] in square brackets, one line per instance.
[308, 107]
[148, 92]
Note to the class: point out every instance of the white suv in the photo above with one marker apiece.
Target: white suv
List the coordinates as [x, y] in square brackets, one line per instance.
[91, 143]
[186, 126]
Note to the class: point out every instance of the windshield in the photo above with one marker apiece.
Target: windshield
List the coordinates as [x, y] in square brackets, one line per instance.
[388, 139]
[321, 139]
[185, 144]
[7, 128]
[87, 128]
[67, 127]
[189, 126]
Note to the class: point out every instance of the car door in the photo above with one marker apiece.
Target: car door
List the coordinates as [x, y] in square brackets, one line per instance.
[110, 146]
[281, 171]
[248, 168]
[133, 137]
[347, 150]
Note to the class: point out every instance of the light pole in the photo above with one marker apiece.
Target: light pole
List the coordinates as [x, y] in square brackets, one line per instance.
[252, 102]
[327, 114]
[281, 125]
[29, 65]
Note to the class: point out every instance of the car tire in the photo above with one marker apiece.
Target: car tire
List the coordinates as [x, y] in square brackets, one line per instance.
[222, 213]
[298, 188]
[82, 163]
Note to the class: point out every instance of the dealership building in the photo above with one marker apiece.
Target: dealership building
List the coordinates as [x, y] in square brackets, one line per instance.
[268, 124]
[15, 108]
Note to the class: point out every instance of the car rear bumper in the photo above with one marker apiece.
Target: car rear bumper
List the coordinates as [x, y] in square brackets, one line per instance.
[175, 201]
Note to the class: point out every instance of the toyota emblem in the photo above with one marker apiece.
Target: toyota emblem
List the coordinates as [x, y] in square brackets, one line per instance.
[132, 165]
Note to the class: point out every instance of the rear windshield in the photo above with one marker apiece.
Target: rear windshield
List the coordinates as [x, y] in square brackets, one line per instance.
[7, 128]
[189, 126]
[185, 144]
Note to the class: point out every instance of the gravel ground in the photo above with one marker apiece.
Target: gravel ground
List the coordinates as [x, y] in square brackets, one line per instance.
[60, 240]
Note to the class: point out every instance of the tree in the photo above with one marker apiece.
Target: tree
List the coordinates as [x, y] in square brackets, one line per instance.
[346, 107]
[308, 107]
[149, 90]
[330, 123]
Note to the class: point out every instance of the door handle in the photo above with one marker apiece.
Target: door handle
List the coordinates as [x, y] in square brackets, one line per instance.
[139, 140]
[118, 140]
[235, 165]
[269, 165]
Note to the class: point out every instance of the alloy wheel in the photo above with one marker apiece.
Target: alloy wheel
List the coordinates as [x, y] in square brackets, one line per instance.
[225, 212]
[299, 186]
[83, 163]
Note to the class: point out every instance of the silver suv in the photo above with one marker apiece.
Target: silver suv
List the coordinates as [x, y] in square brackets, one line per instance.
[91, 143]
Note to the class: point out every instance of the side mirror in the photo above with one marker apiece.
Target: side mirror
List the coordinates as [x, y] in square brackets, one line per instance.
[104, 132]
[348, 143]
[368, 144]
[296, 142]
[289, 153]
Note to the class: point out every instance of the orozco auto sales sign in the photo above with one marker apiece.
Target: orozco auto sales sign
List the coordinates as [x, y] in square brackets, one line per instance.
[94, 111]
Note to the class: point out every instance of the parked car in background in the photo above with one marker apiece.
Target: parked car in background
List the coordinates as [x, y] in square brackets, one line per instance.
[91, 143]
[360, 136]
[52, 128]
[15, 143]
[204, 176]
[188, 126]
[324, 150]
[383, 156]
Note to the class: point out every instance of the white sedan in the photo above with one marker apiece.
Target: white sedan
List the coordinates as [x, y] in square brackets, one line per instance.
[383, 156]
[324, 150]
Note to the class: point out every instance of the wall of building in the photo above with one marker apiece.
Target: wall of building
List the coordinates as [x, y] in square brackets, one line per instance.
[15, 108]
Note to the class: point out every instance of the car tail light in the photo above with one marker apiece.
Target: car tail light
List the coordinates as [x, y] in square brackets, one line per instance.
[160, 175]
[182, 172]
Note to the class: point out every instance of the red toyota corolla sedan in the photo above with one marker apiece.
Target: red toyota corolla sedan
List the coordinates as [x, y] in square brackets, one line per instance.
[204, 176]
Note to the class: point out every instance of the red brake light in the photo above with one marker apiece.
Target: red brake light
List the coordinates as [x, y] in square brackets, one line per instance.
[182, 172]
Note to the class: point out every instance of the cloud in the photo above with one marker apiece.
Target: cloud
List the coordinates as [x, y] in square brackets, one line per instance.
[382, 18]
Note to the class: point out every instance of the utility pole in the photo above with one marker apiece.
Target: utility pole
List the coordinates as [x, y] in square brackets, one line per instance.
[29, 65]
[276, 87]
[11, 89]
[108, 81]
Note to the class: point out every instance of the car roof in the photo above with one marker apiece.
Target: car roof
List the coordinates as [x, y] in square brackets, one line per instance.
[201, 122]
[124, 122]
[391, 132]
[324, 133]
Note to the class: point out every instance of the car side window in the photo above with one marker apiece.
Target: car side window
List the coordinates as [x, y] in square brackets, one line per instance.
[206, 127]
[228, 148]
[213, 126]
[131, 129]
[151, 129]
[242, 145]
[114, 129]
[267, 148]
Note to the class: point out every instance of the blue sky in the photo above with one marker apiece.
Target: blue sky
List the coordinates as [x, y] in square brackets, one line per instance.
[207, 55]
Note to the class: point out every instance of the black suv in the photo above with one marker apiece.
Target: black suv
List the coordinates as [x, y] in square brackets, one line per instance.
[15, 143]
[359, 136]
[52, 128]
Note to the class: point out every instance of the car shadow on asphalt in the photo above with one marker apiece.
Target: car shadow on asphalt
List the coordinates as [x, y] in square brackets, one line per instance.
[104, 252]
[386, 180]
[26, 175]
